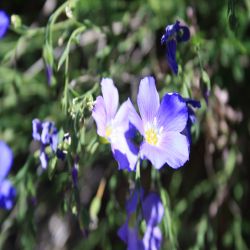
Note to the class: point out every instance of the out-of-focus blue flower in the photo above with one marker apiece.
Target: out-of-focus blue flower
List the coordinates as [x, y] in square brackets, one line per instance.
[4, 23]
[152, 212]
[114, 125]
[7, 191]
[129, 231]
[174, 34]
[161, 125]
[46, 133]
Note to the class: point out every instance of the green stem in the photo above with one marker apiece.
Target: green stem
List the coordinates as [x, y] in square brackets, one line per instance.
[167, 222]
[52, 20]
[23, 171]
[138, 171]
[66, 85]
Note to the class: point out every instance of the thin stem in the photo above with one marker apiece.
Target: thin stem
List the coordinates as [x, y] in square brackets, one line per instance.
[167, 222]
[138, 171]
[65, 97]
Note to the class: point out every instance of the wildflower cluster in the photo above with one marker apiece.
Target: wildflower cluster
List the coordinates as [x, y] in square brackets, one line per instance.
[165, 128]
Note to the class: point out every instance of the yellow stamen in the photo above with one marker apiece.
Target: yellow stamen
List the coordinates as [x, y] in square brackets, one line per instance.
[151, 136]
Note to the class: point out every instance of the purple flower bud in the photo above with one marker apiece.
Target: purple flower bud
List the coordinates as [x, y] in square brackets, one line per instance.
[49, 74]
[174, 33]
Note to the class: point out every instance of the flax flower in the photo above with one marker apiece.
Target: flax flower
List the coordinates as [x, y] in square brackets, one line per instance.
[161, 125]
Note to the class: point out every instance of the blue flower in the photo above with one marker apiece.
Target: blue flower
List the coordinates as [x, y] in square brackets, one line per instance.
[130, 236]
[7, 191]
[161, 125]
[46, 133]
[152, 212]
[174, 34]
[4, 23]
[114, 126]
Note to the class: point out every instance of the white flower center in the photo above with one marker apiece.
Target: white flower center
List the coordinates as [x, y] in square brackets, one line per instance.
[112, 133]
[152, 133]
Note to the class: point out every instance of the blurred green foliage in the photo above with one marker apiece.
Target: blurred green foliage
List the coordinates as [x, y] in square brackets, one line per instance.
[206, 201]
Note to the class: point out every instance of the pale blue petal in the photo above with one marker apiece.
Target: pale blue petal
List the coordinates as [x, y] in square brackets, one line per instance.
[54, 140]
[173, 113]
[152, 238]
[176, 149]
[173, 149]
[44, 159]
[122, 116]
[45, 136]
[148, 99]
[99, 115]
[110, 96]
[6, 159]
[154, 154]
[36, 129]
